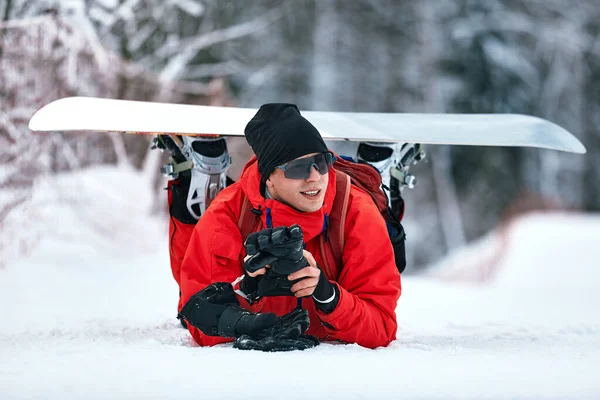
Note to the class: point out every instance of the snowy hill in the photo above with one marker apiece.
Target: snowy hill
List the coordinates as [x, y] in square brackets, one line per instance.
[89, 313]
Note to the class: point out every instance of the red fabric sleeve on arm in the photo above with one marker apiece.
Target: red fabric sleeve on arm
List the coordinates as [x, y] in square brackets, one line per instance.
[369, 283]
[214, 254]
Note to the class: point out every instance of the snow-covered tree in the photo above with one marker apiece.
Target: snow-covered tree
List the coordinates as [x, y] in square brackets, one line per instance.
[535, 57]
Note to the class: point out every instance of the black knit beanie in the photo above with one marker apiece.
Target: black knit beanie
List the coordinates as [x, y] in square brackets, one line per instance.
[278, 134]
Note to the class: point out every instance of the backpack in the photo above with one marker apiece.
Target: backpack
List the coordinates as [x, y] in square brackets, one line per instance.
[367, 179]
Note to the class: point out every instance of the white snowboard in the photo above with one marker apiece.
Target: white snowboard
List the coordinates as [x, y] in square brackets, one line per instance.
[86, 114]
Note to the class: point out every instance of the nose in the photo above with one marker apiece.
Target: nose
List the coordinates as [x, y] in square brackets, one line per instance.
[315, 175]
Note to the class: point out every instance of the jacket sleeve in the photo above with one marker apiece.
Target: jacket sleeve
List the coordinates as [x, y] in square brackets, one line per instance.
[214, 254]
[369, 283]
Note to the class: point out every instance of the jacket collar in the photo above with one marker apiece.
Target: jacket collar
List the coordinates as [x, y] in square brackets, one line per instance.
[275, 213]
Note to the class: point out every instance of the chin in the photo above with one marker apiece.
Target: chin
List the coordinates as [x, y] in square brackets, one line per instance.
[303, 205]
[312, 207]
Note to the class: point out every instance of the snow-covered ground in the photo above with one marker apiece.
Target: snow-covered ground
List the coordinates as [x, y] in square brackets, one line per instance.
[89, 313]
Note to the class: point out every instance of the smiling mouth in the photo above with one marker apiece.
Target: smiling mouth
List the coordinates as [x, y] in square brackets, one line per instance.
[311, 193]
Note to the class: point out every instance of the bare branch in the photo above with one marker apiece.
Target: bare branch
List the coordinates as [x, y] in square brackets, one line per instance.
[187, 50]
[211, 70]
[10, 128]
[22, 23]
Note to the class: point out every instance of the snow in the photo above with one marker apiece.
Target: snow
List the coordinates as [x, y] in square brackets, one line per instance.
[89, 313]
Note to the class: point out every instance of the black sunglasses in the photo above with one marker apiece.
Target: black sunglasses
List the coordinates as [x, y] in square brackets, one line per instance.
[302, 167]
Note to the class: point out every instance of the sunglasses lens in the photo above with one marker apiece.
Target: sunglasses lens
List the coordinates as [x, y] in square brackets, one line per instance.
[322, 163]
[301, 169]
[298, 169]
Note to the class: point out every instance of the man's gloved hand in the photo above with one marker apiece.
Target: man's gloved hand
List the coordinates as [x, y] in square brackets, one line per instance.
[266, 331]
[273, 344]
[285, 335]
[204, 309]
[215, 311]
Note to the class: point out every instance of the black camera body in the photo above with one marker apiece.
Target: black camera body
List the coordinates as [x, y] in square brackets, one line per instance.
[274, 283]
[282, 250]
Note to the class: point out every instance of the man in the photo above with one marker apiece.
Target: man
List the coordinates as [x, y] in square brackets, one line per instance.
[269, 290]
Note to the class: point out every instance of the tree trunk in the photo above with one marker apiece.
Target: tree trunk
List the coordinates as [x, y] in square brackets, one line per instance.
[447, 198]
[4, 18]
[324, 72]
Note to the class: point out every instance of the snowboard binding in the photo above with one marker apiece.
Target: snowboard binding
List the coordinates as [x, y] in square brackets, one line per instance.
[393, 162]
[204, 160]
[409, 154]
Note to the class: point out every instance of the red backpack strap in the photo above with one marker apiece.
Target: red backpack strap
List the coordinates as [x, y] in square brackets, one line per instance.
[333, 250]
[247, 220]
[365, 177]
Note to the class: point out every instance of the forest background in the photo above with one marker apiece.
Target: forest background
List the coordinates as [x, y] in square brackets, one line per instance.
[537, 57]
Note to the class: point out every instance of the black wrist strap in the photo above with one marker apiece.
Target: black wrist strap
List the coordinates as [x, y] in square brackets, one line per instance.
[326, 295]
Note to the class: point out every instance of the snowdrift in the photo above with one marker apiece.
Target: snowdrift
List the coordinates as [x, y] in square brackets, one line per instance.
[539, 250]
[89, 313]
[104, 210]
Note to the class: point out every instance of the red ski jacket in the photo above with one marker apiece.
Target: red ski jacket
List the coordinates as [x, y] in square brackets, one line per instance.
[368, 282]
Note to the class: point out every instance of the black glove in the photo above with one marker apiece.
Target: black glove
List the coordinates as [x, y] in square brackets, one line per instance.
[236, 321]
[282, 249]
[273, 344]
[273, 284]
[203, 310]
[287, 334]
[215, 311]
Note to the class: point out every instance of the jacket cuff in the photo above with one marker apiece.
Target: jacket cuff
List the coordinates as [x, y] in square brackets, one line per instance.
[229, 319]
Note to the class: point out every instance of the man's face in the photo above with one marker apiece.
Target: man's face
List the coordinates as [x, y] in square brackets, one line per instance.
[305, 195]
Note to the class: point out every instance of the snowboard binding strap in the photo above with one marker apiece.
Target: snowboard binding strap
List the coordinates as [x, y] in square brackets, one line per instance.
[207, 161]
[409, 154]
